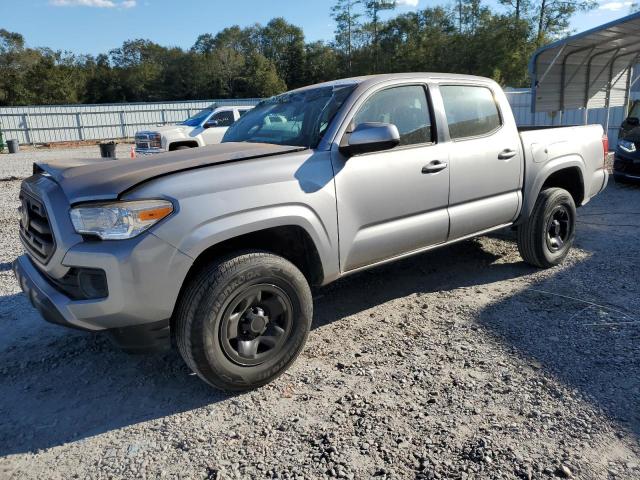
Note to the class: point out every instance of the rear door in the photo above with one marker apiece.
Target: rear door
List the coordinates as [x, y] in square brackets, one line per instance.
[388, 202]
[485, 158]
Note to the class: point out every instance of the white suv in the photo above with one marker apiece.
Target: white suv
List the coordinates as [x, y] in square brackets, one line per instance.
[204, 128]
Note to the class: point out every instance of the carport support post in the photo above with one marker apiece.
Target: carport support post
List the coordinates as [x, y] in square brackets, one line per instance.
[627, 93]
[585, 115]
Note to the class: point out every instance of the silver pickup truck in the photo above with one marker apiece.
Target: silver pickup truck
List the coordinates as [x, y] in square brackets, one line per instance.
[216, 248]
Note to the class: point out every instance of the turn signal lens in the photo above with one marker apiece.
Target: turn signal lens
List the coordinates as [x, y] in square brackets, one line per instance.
[154, 214]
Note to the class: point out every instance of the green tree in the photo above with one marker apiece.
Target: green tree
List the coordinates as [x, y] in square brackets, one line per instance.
[521, 8]
[346, 16]
[261, 78]
[553, 16]
[321, 63]
[372, 10]
[283, 44]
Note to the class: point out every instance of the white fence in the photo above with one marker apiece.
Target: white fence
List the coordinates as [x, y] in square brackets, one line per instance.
[48, 124]
[520, 101]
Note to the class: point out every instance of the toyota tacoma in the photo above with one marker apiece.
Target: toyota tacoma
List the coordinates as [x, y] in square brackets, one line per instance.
[215, 249]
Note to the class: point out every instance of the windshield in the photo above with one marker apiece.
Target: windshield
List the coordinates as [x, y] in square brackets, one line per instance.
[297, 118]
[197, 119]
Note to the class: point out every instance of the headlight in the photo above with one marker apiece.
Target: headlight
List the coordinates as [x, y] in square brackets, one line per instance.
[156, 140]
[119, 221]
[627, 146]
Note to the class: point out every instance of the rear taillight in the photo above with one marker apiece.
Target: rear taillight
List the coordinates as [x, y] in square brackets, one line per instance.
[605, 147]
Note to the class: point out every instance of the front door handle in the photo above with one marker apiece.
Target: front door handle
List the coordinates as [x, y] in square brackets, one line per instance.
[506, 154]
[434, 167]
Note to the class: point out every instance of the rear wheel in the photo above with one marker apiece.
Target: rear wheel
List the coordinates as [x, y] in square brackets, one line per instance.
[545, 239]
[182, 147]
[243, 320]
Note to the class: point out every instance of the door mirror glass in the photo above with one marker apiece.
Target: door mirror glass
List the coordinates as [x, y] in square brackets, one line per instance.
[371, 137]
[632, 121]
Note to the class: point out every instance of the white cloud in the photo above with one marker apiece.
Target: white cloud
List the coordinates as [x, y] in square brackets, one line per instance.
[94, 3]
[407, 3]
[615, 6]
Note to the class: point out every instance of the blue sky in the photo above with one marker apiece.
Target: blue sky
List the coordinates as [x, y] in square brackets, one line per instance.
[95, 26]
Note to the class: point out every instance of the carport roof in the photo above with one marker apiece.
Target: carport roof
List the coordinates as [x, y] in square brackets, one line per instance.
[589, 70]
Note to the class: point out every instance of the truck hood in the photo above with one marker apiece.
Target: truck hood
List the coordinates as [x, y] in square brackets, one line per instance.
[169, 129]
[100, 179]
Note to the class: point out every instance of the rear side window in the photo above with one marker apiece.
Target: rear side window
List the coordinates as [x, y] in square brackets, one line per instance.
[405, 107]
[471, 111]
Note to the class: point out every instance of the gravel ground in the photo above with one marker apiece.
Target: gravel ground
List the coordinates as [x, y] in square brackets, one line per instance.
[19, 165]
[462, 363]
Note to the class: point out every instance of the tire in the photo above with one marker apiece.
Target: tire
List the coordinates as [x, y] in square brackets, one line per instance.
[224, 294]
[547, 236]
[182, 147]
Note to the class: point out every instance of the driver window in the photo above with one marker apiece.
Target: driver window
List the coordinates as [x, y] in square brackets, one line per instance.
[405, 107]
[221, 119]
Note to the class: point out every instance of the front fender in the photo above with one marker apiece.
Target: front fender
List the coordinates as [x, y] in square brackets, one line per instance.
[223, 228]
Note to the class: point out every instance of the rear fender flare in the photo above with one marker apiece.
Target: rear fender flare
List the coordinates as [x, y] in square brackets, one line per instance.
[552, 166]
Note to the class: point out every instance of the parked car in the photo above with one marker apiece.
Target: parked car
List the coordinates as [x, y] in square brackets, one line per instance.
[206, 127]
[626, 160]
[632, 121]
[218, 247]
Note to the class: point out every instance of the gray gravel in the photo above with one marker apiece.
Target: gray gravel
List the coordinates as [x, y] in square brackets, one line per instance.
[20, 165]
[461, 363]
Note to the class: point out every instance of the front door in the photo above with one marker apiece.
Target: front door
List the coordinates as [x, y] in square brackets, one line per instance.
[216, 126]
[395, 201]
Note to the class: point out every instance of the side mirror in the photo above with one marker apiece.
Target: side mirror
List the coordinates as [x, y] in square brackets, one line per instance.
[371, 137]
[632, 121]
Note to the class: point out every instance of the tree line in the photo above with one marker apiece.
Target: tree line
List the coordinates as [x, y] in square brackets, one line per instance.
[466, 36]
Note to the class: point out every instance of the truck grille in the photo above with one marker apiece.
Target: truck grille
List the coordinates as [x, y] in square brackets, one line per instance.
[148, 140]
[35, 230]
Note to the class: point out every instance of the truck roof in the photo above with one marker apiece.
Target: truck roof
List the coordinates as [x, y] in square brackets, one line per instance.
[369, 80]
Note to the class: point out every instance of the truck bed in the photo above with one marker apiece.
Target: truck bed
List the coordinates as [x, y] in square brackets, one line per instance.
[579, 146]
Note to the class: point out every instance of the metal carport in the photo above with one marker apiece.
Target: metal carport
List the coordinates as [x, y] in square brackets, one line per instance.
[592, 69]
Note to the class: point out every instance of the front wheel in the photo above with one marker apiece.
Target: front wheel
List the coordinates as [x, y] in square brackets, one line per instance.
[546, 237]
[243, 320]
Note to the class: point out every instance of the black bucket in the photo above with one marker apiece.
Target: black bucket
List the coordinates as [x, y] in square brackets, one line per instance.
[13, 146]
[108, 150]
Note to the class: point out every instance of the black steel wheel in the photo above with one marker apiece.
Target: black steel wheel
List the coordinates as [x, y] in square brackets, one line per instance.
[255, 324]
[547, 235]
[558, 228]
[242, 320]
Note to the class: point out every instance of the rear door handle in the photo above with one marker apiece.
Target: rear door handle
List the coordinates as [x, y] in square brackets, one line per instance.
[434, 167]
[506, 154]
